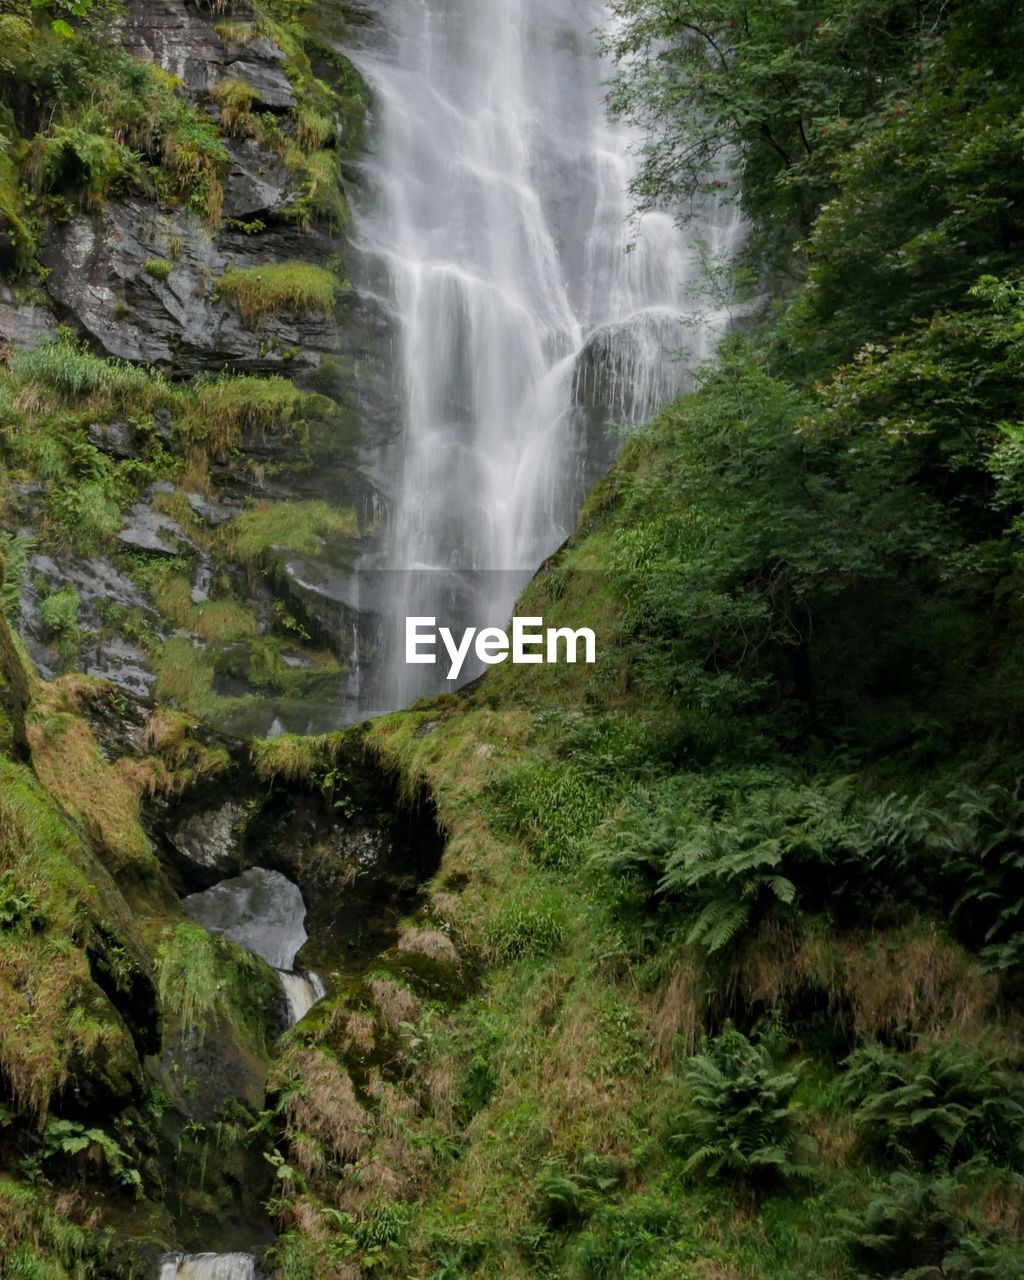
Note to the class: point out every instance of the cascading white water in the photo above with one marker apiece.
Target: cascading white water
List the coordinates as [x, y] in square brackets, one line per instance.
[209, 1266]
[502, 216]
[302, 991]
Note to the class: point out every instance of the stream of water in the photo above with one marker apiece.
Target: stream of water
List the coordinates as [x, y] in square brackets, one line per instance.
[531, 314]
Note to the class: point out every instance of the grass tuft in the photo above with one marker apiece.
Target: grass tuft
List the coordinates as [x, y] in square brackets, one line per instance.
[297, 288]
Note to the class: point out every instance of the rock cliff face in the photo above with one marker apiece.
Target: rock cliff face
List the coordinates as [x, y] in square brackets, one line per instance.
[149, 280]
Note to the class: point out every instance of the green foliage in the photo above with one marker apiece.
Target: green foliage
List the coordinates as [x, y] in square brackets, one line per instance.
[551, 809]
[298, 526]
[236, 100]
[68, 368]
[115, 122]
[158, 268]
[203, 980]
[779, 91]
[220, 410]
[69, 1138]
[14, 556]
[915, 1226]
[281, 287]
[532, 925]
[565, 1196]
[59, 614]
[39, 1243]
[938, 1106]
[740, 1123]
[980, 848]
[19, 909]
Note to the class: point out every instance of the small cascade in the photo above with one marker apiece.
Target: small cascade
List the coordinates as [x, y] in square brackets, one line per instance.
[209, 1266]
[302, 991]
[263, 911]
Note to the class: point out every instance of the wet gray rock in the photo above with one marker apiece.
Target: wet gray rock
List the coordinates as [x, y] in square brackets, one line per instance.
[118, 438]
[122, 663]
[100, 587]
[148, 530]
[97, 277]
[202, 580]
[208, 841]
[257, 182]
[183, 40]
[212, 513]
[261, 910]
[22, 324]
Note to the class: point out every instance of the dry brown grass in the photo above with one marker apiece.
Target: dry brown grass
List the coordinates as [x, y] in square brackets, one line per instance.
[68, 761]
[909, 981]
[395, 1004]
[919, 982]
[325, 1119]
[673, 1011]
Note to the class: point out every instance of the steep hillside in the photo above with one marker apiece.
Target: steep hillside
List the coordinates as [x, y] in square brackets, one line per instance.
[718, 974]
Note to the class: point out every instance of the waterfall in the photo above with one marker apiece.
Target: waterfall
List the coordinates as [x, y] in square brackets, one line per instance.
[529, 318]
[302, 991]
[208, 1266]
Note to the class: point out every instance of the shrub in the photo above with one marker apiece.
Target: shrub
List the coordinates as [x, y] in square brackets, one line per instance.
[980, 847]
[565, 1196]
[296, 287]
[938, 1106]
[740, 1123]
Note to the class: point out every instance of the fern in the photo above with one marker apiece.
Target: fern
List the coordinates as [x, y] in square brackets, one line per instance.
[740, 1123]
[913, 1228]
[939, 1106]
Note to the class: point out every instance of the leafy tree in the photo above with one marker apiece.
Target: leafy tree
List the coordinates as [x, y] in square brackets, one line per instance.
[773, 92]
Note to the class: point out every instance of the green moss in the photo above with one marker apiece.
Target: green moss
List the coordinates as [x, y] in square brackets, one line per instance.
[53, 1017]
[296, 526]
[216, 621]
[203, 980]
[103, 798]
[158, 268]
[13, 217]
[14, 691]
[292, 757]
[284, 287]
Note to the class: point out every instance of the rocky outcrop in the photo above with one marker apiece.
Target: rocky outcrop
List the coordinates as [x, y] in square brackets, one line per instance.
[139, 279]
[182, 39]
[98, 278]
